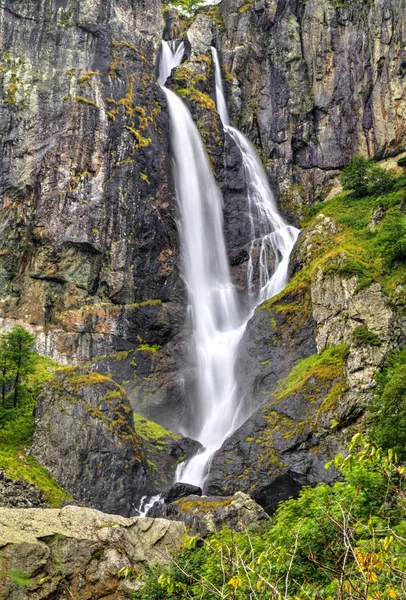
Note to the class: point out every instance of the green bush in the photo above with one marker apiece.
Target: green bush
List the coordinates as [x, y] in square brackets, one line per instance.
[389, 406]
[362, 335]
[391, 238]
[189, 6]
[16, 362]
[365, 178]
[344, 542]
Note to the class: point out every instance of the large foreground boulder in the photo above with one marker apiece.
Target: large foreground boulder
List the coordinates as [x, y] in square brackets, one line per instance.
[78, 552]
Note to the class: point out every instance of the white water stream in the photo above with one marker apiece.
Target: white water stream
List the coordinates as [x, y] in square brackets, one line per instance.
[217, 322]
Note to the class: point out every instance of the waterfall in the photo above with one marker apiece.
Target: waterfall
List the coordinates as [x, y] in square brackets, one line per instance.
[270, 234]
[213, 308]
[171, 57]
[217, 322]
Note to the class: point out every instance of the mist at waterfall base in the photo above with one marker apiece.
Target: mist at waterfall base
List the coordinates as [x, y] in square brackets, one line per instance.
[217, 322]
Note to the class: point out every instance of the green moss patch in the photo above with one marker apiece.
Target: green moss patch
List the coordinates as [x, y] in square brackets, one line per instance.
[152, 432]
[326, 366]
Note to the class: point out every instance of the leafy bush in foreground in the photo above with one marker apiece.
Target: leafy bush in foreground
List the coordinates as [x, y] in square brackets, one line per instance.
[389, 406]
[346, 542]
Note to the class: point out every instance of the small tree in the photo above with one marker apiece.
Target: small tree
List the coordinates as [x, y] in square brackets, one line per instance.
[389, 407]
[16, 361]
[4, 368]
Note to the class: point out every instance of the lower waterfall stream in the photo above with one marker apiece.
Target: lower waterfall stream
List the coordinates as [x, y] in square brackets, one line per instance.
[218, 323]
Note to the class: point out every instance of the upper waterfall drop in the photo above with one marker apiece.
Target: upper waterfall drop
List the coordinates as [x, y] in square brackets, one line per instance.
[269, 231]
[171, 57]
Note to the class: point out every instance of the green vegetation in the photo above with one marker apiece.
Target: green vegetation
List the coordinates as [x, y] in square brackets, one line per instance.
[388, 410]
[362, 335]
[326, 366]
[342, 542]
[187, 6]
[16, 362]
[152, 432]
[365, 178]
[368, 242]
[149, 348]
[17, 430]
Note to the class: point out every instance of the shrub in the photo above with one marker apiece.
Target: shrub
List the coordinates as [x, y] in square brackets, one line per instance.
[391, 239]
[345, 542]
[365, 178]
[388, 410]
[362, 335]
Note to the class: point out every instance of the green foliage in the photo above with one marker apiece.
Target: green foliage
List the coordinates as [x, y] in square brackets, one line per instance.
[16, 362]
[17, 430]
[362, 335]
[187, 6]
[325, 366]
[151, 431]
[344, 542]
[388, 410]
[149, 348]
[369, 242]
[364, 177]
[19, 577]
[391, 239]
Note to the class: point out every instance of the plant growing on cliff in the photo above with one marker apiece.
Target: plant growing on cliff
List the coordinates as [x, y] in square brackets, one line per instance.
[188, 6]
[16, 362]
[364, 177]
[388, 409]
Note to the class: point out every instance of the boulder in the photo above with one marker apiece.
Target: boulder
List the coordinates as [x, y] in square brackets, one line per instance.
[85, 437]
[79, 552]
[180, 490]
[208, 514]
[200, 35]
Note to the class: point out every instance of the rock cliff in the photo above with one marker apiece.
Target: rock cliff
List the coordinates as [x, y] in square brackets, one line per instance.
[88, 246]
[314, 82]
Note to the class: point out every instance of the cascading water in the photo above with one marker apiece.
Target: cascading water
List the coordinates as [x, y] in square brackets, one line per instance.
[171, 57]
[269, 231]
[217, 322]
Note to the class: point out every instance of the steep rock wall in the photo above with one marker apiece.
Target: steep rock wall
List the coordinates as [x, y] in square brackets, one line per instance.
[314, 82]
[86, 208]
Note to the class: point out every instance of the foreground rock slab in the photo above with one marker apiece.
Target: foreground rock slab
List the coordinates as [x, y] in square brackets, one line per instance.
[78, 552]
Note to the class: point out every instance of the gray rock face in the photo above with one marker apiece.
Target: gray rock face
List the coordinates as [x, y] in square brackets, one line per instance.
[208, 514]
[199, 36]
[79, 552]
[85, 437]
[313, 83]
[87, 229]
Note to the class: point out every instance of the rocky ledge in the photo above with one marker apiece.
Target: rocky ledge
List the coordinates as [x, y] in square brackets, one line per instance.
[78, 552]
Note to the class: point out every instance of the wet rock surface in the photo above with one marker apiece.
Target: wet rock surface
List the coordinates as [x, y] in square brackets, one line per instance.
[85, 437]
[79, 552]
[87, 210]
[180, 490]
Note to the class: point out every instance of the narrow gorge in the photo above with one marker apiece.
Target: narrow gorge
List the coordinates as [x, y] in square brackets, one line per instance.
[202, 296]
